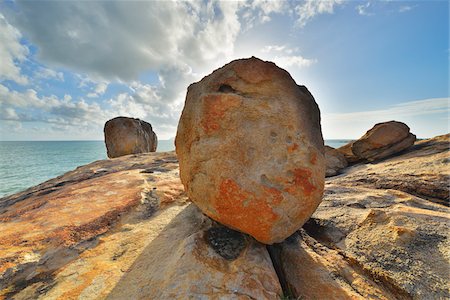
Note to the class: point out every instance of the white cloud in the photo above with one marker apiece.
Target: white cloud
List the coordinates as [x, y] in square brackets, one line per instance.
[293, 61]
[20, 106]
[123, 39]
[307, 10]
[286, 57]
[273, 48]
[12, 53]
[363, 9]
[99, 90]
[46, 73]
[255, 12]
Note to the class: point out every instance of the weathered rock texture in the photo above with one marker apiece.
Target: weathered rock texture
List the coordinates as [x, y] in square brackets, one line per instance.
[349, 156]
[335, 161]
[251, 150]
[383, 140]
[125, 136]
[123, 229]
[379, 232]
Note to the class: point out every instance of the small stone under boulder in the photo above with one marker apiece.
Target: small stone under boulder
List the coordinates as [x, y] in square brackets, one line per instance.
[251, 151]
[383, 140]
[125, 136]
[335, 161]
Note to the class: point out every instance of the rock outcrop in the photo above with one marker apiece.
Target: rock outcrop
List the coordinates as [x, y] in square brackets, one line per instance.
[124, 228]
[335, 161]
[349, 156]
[251, 150]
[381, 231]
[125, 136]
[383, 140]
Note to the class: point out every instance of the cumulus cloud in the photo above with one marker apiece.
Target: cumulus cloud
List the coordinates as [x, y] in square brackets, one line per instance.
[99, 90]
[123, 39]
[287, 57]
[21, 106]
[307, 10]
[12, 53]
[255, 12]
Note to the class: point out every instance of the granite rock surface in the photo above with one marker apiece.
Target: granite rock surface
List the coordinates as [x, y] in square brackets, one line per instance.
[251, 151]
[125, 136]
[125, 227]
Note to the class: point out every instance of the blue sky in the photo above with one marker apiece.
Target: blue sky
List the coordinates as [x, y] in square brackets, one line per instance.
[67, 67]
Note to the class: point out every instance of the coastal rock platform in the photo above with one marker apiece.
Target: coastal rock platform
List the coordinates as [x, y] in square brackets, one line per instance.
[124, 228]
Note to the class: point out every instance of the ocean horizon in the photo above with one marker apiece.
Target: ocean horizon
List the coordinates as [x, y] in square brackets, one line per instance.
[24, 164]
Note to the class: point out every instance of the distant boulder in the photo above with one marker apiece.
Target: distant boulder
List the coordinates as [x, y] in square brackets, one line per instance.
[346, 150]
[125, 136]
[335, 161]
[383, 140]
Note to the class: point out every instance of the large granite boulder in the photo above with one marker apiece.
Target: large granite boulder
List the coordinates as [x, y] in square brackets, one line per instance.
[383, 140]
[251, 150]
[335, 161]
[125, 136]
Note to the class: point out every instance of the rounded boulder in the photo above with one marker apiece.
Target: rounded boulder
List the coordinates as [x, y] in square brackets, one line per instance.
[250, 149]
[125, 136]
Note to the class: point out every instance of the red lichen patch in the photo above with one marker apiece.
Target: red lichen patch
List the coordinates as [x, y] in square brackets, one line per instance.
[239, 208]
[292, 148]
[301, 179]
[215, 107]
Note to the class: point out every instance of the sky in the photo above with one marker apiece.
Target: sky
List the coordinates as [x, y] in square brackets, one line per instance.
[68, 67]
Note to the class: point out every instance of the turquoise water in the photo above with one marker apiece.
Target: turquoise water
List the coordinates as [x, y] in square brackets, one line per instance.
[25, 164]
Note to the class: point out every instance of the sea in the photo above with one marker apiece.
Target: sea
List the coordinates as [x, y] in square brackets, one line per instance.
[25, 164]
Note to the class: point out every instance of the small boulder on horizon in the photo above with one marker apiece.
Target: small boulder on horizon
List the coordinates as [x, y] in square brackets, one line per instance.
[383, 140]
[125, 136]
[335, 161]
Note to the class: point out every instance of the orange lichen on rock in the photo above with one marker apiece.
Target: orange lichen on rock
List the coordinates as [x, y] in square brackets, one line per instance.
[301, 178]
[292, 148]
[239, 208]
[215, 106]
